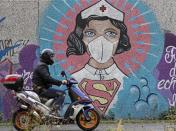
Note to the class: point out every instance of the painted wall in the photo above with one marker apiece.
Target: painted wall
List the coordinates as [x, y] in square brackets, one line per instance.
[139, 82]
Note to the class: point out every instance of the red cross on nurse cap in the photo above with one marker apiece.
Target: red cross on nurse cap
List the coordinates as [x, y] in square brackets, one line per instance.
[103, 8]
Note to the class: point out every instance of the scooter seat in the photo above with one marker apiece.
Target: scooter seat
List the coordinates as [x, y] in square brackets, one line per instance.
[53, 95]
[87, 101]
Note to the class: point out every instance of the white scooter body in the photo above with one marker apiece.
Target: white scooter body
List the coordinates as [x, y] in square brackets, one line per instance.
[33, 100]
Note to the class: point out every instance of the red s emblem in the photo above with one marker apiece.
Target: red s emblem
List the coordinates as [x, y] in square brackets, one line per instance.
[101, 92]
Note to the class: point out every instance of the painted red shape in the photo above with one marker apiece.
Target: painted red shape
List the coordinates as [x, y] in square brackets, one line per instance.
[102, 8]
[101, 90]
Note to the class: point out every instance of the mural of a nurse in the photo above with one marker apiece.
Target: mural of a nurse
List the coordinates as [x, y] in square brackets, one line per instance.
[101, 33]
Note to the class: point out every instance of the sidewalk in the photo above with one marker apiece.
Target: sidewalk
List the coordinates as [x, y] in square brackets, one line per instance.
[106, 127]
[149, 127]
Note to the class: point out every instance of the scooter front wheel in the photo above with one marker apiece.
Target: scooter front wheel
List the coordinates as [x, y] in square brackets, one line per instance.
[88, 125]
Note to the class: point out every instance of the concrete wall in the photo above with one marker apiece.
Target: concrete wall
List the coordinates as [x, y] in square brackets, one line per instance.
[141, 86]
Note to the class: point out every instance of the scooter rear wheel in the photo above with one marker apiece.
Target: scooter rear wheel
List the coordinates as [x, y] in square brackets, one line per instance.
[22, 120]
[88, 125]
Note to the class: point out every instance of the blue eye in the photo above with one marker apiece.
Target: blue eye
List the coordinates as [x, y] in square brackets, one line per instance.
[89, 33]
[111, 34]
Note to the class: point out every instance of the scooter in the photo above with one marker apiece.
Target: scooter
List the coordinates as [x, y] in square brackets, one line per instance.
[32, 112]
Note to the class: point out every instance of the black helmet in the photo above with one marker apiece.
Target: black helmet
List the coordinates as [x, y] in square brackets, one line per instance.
[47, 56]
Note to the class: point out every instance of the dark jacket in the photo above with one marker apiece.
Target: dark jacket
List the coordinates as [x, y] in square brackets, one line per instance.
[41, 77]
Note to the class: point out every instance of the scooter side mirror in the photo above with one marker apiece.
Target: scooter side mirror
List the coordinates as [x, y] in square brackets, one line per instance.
[63, 73]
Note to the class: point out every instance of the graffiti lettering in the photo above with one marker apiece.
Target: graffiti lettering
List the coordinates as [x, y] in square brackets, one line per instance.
[9, 48]
[2, 18]
[170, 57]
[26, 76]
[167, 84]
[170, 54]
[172, 72]
[170, 83]
[9, 42]
[173, 101]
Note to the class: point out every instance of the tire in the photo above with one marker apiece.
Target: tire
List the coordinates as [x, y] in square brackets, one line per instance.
[22, 120]
[88, 125]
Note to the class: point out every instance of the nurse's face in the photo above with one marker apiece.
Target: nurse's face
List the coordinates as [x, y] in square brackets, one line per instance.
[97, 28]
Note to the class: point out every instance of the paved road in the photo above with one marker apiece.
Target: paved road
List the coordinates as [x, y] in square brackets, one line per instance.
[105, 127]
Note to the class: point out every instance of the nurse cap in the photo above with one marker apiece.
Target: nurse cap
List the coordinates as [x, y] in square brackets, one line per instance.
[103, 8]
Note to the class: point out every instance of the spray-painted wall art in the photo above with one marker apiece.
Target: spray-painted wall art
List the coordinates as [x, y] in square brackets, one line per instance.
[115, 49]
[165, 71]
[112, 47]
[28, 58]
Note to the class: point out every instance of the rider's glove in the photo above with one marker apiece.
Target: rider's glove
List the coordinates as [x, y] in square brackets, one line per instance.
[64, 82]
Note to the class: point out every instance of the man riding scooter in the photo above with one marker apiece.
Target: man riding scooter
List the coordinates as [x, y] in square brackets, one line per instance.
[42, 80]
[32, 112]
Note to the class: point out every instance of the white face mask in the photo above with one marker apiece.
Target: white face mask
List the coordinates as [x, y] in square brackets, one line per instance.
[101, 49]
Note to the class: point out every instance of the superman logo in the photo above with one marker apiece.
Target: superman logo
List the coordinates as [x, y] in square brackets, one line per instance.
[102, 92]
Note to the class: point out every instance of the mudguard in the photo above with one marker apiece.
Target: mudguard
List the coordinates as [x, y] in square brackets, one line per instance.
[77, 108]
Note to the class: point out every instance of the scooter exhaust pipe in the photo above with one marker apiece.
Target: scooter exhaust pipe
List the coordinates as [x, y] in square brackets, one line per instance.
[36, 114]
[24, 107]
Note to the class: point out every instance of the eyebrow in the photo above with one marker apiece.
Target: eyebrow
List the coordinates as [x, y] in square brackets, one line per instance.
[90, 30]
[112, 29]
